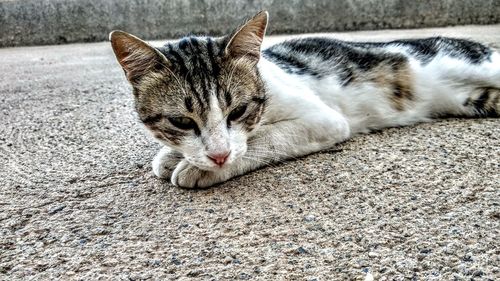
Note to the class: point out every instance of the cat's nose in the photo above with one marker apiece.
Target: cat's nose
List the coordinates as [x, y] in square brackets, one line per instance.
[219, 158]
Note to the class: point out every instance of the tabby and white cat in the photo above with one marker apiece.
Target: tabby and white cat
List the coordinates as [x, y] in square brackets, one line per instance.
[222, 107]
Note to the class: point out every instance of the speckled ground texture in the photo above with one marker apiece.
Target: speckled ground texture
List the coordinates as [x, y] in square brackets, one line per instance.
[78, 200]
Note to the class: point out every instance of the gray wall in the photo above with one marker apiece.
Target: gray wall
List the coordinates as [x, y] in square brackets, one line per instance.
[37, 22]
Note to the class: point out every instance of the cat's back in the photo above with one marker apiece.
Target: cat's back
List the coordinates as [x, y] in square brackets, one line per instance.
[321, 57]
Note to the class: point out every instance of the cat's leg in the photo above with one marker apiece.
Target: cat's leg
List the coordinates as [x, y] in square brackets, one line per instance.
[484, 100]
[492, 67]
[165, 162]
[456, 87]
[317, 130]
[484, 73]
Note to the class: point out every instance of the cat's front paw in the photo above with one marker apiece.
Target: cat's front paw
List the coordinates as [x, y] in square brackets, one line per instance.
[189, 176]
[164, 162]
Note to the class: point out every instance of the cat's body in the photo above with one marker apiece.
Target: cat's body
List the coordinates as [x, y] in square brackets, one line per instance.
[409, 81]
[246, 109]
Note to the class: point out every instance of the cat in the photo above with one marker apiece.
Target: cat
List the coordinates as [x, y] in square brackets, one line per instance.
[223, 107]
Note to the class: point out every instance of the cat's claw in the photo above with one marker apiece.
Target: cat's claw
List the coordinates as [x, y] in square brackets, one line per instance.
[165, 162]
[188, 176]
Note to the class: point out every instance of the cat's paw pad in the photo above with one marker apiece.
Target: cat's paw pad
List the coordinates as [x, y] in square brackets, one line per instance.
[189, 176]
[164, 163]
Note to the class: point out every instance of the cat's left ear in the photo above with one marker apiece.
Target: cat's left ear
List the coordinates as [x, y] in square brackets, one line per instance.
[247, 40]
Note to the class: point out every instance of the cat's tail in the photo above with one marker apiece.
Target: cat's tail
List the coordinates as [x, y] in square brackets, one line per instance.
[463, 101]
[483, 102]
[459, 88]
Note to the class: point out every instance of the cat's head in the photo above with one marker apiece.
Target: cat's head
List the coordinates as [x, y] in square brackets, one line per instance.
[202, 96]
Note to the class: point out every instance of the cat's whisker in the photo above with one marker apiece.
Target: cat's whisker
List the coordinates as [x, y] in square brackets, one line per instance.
[271, 156]
[273, 153]
[269, 153]
[269, 161]
[260, 160]
[283, 141]
[274, 158]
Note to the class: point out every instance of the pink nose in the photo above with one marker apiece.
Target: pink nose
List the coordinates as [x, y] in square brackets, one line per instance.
[219, 158]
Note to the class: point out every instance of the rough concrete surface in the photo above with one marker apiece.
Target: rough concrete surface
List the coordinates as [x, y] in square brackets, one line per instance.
[78, 200]
[36, 22]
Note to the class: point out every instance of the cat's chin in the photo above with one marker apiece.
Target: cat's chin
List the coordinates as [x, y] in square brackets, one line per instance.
[208, 168]
[215, 168]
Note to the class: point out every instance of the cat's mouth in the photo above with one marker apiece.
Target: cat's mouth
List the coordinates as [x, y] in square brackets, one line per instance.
[214, 164]
[208, 164]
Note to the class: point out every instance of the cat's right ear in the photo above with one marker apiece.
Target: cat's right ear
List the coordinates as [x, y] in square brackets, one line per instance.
[247, 40]
[135, 56]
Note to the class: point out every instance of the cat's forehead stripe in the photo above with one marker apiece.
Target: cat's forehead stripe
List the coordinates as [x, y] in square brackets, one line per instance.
[227, 98]
[182, 65]
[188, 102]
[215, 65]
[195, 60]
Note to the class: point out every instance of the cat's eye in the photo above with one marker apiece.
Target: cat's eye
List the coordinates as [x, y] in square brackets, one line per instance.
[237, 113]
[184, 123]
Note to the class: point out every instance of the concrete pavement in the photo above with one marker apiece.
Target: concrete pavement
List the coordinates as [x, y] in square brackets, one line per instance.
[78, 200]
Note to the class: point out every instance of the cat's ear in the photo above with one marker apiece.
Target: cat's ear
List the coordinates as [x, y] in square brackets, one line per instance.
[247, 40]
[135, 56]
